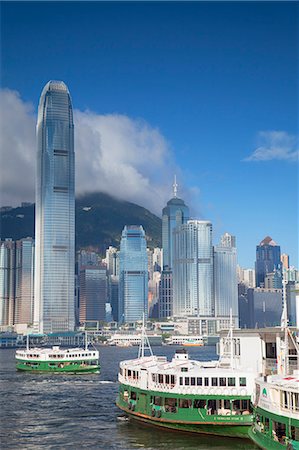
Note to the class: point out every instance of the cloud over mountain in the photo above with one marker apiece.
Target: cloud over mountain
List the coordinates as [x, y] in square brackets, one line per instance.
[116, 154]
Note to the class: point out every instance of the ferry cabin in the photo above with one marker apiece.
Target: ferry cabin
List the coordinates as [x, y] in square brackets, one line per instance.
[277, 412]
[190, 395]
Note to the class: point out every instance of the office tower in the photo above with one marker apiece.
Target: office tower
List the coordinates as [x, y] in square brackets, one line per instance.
[93, 293]
[87, 258]
[166, 295]
[267, 259]
[225, 279]
[158, 259]
[113, 282]
[193, 269]
[7, 282]
[133, 278]
[173, 215]
[285, 260]
[112, 261]
[24, 294]
[54, 308]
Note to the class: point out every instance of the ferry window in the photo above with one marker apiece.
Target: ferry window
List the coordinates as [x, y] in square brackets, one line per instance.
[211, 406]
[129, 373]
[296, 401]
[184, 403]
[267, 422]
[167, 379]
[245, 405]
[199, 404]
[222, 381]
[192, 381]
[160, 378]
[236, 406]
[206, 382]
[242, 381]
[271, 350]
[294, 433]
[181, 381]
[187, 381]
[226, 404]
[214, 381]
[172, 379]
[158, 401]
[231, 381]
[184, 369]
[170, 405]
[133, 395]
[199, 381]
[154, 377]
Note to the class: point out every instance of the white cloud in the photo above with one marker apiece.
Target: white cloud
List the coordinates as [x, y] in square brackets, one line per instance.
[275, 145]
[115, 154]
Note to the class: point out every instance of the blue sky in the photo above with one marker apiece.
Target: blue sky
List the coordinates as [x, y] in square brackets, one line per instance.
[208, 90]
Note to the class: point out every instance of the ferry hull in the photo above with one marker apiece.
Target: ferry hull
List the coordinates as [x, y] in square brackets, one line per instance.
[263, 441]
[219, 429]
[44, 367]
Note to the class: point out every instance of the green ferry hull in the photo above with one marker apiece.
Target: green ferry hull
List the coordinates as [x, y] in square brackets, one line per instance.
[263, 441]
[219, 429]
[44, 367]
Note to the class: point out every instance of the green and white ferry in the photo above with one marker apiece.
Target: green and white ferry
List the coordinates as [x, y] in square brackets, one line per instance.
[186, 395]
[276, 403]
[57, 360]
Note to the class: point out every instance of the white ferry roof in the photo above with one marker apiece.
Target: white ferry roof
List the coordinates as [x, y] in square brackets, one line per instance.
[290, 382]
[56, 351]
[159, 364]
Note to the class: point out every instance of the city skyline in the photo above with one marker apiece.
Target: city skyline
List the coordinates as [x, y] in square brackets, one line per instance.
[207, 93]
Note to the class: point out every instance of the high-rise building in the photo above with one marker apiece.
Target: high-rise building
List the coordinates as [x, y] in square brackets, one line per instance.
[193, 270]
[225, 279]
[7, 281]
[166, 295]
[93, 293]
[24, 296]
[87, 258]
[267, 259]
[54, 308]
[133, 278]
[285, 260]
[173, 215]
[112, 261]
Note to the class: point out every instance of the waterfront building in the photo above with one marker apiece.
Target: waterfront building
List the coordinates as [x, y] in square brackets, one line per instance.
[7, 281]
[225, 280]
[24, 282]
[133, 278]
[93, 293]
[113, 282]
[112, 261]
[285, 260]
[54, 303]
[193, 269]
[267, 259]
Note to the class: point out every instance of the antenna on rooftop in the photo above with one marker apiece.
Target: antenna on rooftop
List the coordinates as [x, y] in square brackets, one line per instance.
[175, 187]
[144, 343]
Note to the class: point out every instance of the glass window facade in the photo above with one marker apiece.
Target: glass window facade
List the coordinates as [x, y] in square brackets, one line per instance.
[133, 279]
[54, 306]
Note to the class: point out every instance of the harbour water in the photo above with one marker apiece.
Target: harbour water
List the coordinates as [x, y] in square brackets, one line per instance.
[48, 411]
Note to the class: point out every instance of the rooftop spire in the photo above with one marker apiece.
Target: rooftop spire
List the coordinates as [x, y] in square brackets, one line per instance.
[175, 187]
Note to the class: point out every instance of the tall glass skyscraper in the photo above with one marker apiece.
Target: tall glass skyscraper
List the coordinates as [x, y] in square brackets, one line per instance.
[54, 308]
[267, 259]
[133, 277]
[193, 270]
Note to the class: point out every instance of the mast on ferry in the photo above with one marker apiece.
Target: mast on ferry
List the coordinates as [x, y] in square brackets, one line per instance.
[144, 343]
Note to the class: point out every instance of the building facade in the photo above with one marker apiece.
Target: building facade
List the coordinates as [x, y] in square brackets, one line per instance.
[93, 293]
[54, 303]
[24, 300]
[267, 259]
[133, 277]
[225, 279]
[193, 270]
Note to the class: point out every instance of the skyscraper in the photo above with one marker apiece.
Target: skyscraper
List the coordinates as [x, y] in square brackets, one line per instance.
[24, 281]
[173, 215]
[193, 269]
[267, 259]
[133, 277]
[7, 281]
[93, 293]
[225, 280]
[54, 308]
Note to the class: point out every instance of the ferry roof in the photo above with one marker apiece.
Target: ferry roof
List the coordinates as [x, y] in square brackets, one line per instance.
[53, 350]
[290, 382]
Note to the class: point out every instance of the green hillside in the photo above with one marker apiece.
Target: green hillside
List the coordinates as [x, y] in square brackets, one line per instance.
[100, 219]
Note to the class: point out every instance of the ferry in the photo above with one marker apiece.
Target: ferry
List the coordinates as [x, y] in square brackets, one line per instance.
[187, 395]
[276, 403]
[57, 360]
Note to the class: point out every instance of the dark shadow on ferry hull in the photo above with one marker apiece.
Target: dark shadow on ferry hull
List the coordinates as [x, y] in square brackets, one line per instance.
[231, 431]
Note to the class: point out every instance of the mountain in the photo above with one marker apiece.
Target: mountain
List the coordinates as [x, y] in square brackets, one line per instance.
[100, 219]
